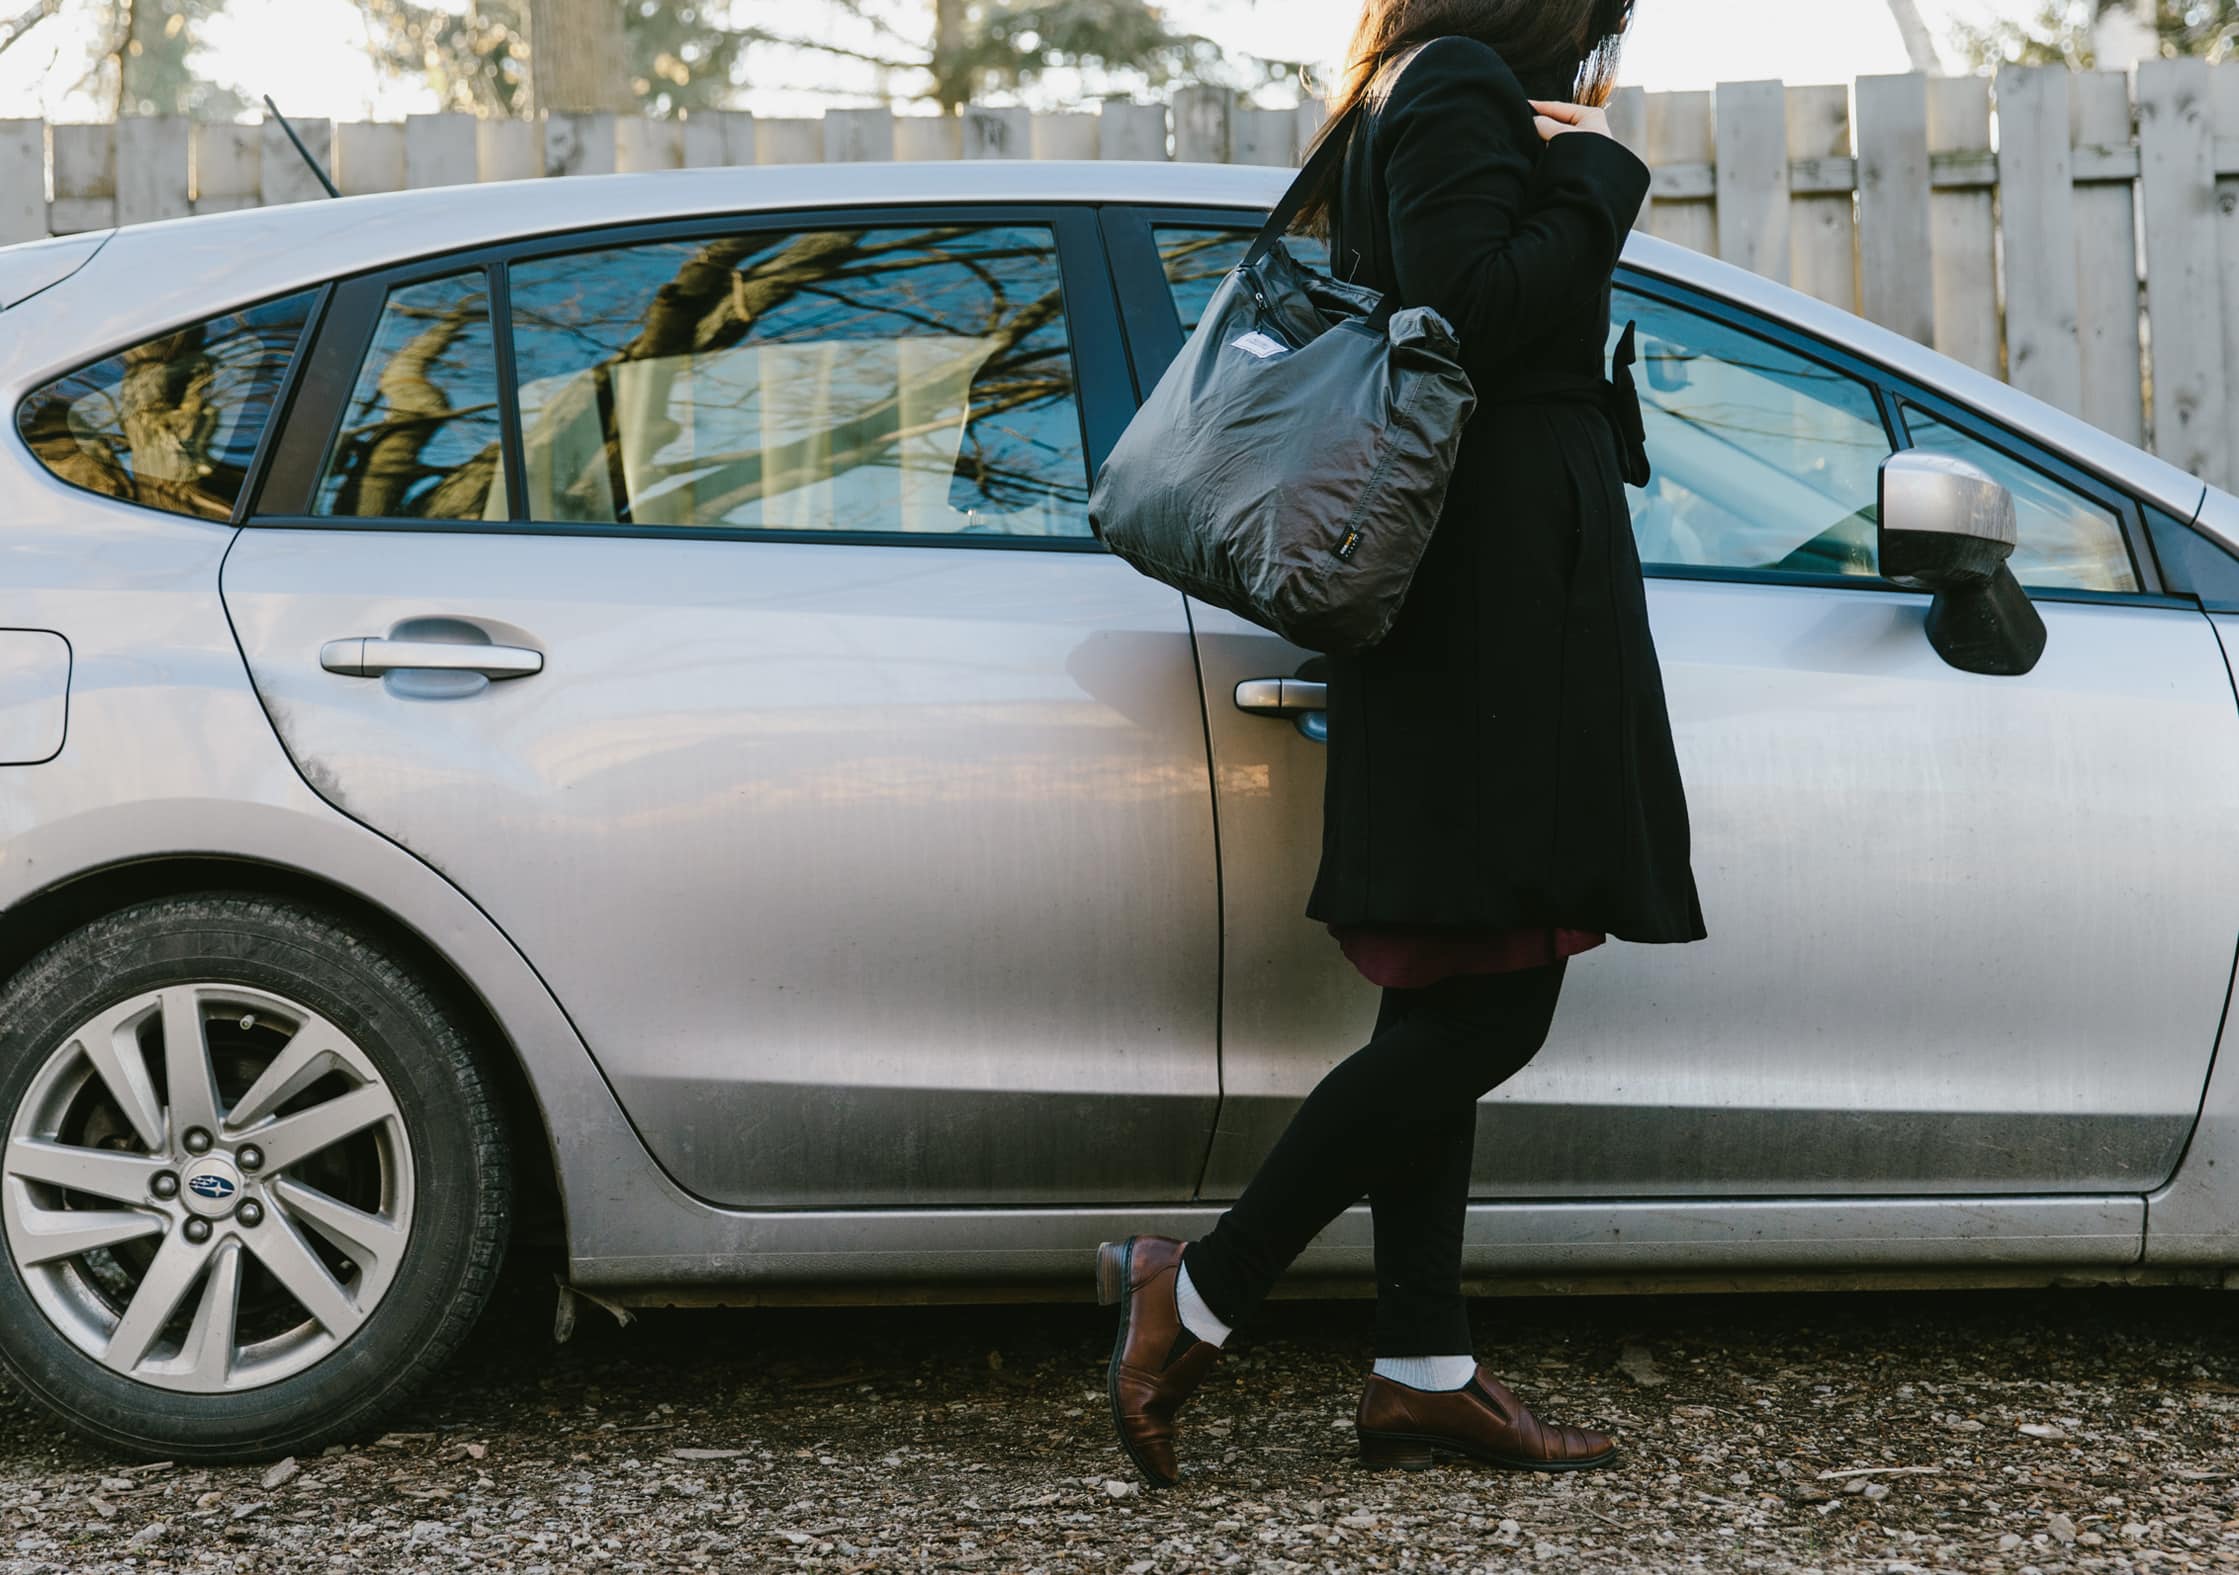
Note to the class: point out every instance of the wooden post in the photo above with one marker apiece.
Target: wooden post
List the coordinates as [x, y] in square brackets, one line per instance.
[1132, 131]
[713, 138]
[857, 135]
[368, 156]
[228, 166]
[1262, 136]
[788, 141]
[1681, 140]
[1067, 136]
[1962, 224]
[997, 134]
[2106, 257]
[2226, 91]
[85, 178]
[1752, 159]
[2177, 188]
[440, 150]
[152, 169]
[579, 143]
[921, 137]
[1822, 227]
[2036, 194]
[23, 181]
[508, 149]
[285, 177]
[1895, 273]
[1201, 130]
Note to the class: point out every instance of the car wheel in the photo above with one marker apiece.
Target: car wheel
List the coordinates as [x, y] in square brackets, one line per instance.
[254, 1186]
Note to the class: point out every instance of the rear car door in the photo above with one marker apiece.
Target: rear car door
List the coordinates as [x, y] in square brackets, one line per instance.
[715, 606]
[1969, 935]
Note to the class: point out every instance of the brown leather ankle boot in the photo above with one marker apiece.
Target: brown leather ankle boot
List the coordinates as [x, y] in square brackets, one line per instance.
[1156, 1363]
[1409, 1428]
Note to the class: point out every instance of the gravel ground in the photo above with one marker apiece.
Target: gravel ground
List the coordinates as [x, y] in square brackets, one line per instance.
[1989, 1431]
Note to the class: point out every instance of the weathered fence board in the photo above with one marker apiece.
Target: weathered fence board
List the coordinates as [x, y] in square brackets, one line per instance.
[1886, 198]
[1962, 225]
[1822, 229]
[1752, 163]
[1680, 132]
[2177, 195]
[152, 174]
[2106, 260]
[2036, 186]
[1895, 244]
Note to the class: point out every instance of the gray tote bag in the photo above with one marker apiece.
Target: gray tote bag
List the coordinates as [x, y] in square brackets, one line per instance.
[1293, 460]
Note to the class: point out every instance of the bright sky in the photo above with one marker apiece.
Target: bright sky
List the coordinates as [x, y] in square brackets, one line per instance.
[312, 56]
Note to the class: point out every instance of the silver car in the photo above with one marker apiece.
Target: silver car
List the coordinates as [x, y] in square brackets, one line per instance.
[586, 715]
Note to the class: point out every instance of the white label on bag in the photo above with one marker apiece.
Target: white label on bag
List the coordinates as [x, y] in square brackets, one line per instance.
[1260, 345]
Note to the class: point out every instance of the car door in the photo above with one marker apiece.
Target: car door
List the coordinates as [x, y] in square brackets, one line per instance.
[715, 606]
[1969, 935]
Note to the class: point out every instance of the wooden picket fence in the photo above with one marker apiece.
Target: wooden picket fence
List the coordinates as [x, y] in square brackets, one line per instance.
[2104, 207]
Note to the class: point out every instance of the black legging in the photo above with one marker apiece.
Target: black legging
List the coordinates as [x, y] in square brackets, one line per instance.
[1396, 1120]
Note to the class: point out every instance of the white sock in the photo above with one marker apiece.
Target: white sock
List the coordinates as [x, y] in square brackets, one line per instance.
[1427, 1372]
[1198, 1318]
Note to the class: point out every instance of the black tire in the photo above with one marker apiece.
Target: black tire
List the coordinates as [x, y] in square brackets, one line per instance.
[461, 1197]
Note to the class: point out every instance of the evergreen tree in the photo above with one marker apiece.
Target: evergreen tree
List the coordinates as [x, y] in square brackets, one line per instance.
[682, 52]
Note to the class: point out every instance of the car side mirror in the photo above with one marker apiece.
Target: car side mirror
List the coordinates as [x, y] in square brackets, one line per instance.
[1947, 527]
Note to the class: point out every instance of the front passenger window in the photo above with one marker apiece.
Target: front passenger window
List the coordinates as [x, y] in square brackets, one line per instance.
[1763, 460]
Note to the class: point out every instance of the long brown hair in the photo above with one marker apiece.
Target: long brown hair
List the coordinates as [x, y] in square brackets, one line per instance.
[1530, 35]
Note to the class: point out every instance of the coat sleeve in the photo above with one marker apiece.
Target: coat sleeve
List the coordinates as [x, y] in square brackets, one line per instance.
[1496, 232]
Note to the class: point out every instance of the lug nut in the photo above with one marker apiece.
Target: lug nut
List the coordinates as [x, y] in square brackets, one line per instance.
[251, 1212]
[198, 1141]
[251, 1158]
[198, 1231]
[165, 1185]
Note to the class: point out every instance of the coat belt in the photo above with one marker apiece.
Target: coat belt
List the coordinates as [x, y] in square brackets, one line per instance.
[1617, 397]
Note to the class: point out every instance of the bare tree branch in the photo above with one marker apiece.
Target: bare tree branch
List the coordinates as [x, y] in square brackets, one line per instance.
[13, 28]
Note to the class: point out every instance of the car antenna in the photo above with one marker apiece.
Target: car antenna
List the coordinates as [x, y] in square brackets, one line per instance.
[332, 191]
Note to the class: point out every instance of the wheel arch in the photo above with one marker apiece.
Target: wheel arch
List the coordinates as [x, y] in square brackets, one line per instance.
[31, 924]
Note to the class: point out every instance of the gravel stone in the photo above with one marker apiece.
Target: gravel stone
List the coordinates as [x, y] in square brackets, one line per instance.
[1827, 1432]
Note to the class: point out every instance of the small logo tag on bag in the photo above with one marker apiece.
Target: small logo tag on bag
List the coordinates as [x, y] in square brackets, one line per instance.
[1260, 345]
[1345, 547]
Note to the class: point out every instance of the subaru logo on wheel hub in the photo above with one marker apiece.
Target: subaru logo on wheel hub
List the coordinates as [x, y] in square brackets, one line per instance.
[211, 1186]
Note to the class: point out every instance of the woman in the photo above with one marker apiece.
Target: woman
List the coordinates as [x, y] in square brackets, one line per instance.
[1503, 791]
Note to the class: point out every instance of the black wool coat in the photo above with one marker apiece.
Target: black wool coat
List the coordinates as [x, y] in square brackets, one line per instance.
[1504, 757]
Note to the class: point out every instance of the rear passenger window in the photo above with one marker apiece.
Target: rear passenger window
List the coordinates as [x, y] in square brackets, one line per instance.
[917, 378]
[172, 423]
[421, 437]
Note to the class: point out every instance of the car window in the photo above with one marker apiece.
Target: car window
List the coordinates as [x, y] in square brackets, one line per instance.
[2065, 539]
[420, 437]
[913, 378]
[173, 422]
[1763, 460]
[1197, 258]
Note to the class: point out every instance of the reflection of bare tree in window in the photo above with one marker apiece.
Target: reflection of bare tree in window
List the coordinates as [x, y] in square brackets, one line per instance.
[863, 287]
[381, 468]
[172, 422]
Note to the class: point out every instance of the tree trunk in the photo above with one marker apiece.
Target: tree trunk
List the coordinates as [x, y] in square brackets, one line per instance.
[576, 56]
[1920, 44]
[952, 78]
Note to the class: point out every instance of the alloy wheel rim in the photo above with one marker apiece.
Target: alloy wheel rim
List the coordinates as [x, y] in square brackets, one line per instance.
[207, 1188]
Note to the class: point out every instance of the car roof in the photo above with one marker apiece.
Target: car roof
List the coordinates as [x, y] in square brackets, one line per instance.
[150, 277]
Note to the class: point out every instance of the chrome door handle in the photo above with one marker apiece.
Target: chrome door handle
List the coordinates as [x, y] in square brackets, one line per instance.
[370, 658]
[1281, 696]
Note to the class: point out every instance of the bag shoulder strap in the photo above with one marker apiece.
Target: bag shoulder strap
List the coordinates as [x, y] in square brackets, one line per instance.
[1310, 178]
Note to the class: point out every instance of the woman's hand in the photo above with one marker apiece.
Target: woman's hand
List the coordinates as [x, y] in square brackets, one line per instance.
[1551, 118]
